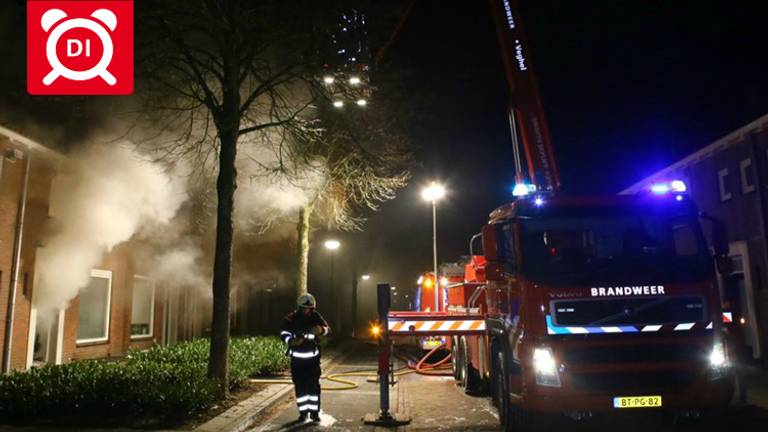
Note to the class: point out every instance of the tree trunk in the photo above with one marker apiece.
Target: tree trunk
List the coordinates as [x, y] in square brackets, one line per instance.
[303, 249]
[228, 126]
[218, 365]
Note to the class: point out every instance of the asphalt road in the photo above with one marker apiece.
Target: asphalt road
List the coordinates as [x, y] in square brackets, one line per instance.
[436, 403]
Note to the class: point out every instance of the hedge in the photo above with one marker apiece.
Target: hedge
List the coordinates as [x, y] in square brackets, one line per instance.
[159, 385]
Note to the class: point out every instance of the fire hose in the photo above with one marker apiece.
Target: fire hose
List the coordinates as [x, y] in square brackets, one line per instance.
[421, 367]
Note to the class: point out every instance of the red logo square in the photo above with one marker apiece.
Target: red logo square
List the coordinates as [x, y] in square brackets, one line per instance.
[80, 47]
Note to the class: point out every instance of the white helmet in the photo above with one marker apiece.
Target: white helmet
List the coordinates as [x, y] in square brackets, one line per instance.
[306, 300]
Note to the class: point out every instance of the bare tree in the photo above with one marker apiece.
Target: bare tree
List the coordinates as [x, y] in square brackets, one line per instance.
[221, 73]
[364, 162]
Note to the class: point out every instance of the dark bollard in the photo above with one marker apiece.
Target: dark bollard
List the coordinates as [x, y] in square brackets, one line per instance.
[384, 417]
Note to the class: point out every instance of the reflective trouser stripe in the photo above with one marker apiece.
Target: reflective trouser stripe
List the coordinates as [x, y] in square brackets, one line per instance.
[304, 355]
[306, 398]
[308, 407]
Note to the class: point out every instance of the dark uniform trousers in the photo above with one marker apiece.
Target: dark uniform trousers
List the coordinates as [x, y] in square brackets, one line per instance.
[305, 374]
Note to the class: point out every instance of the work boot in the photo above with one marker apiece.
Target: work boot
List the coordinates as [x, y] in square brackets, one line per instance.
[315, 416]
[302, 417]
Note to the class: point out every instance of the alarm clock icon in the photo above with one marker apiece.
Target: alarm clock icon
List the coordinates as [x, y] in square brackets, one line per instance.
[54, 21]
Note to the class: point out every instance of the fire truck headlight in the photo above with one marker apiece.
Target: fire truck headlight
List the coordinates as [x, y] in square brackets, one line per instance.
[718, 362]
[545, 367]
[717, 356]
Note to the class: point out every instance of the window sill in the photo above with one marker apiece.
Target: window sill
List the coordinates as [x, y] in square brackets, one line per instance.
[88, 343]
[140, 338]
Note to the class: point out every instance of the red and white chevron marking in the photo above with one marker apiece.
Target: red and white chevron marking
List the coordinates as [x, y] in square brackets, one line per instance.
[434, 326]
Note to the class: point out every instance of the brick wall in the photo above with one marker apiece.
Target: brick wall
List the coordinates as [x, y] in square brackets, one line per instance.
[121, 263]
[11, 185]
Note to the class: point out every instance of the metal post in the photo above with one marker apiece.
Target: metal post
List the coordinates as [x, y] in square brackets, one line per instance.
[336, 300]
[384, 417]
[384, 371]
[434, 254]
[354, 303]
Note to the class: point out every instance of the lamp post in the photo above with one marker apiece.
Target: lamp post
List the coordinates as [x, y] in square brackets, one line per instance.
[332, 245]
[433, 193]
[355, 282]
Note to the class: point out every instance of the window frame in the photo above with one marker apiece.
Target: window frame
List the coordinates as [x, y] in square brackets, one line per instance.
[721, 175]
[746, 187]
[104, 274]
[151, 309]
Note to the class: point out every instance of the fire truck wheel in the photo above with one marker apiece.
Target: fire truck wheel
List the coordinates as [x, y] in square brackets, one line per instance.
[461, 359]
[455, 358]
[470, 375]
[512, 417]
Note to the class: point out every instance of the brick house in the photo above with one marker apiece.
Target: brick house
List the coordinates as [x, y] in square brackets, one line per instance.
[728, 179]
[121, 308]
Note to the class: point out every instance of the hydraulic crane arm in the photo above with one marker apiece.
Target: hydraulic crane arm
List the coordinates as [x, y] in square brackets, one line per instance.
[528, 124]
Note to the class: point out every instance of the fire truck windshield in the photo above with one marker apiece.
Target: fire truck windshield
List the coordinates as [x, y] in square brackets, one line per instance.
[608, 249]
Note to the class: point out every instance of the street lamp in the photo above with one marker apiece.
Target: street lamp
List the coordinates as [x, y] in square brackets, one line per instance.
[332, 245]
[433, 193]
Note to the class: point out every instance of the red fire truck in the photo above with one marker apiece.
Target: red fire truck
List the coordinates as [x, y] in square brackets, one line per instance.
[578, 305]
[593, 304]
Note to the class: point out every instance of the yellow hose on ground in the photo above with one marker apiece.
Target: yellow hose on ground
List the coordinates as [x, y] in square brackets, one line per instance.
[337, 378]
[421, 368]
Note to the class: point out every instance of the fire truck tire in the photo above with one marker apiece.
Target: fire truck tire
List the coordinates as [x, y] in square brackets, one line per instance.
[512, 417]
[460, 360]
[471, 380]
[455, 357]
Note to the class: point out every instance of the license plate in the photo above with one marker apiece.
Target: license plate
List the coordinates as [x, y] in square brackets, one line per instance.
[429, 344]
[637, 402]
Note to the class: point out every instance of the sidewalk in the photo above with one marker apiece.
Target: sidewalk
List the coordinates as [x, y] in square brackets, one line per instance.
[756, 380]
[242, 416]
[237, 419]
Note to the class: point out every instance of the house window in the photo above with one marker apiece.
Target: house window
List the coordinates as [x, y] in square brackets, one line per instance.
[142, 311]
[721, 175]
[747, 182]
[93, 320]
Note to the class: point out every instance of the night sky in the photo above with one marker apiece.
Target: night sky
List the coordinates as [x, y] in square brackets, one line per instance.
[628, 87]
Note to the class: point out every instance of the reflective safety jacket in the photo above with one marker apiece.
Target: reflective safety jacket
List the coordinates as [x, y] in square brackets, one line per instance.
[297, 326]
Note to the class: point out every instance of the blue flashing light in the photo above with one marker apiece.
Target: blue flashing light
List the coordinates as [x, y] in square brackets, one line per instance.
[679, 197]
[663, 188]
[678, 186]
[522, 189]
[539, 201]
[660, 188]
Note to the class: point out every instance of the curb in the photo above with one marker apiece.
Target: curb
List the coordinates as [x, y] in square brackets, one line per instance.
[241, 416]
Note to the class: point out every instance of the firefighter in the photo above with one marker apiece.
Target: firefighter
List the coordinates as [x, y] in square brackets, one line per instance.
[301, 330]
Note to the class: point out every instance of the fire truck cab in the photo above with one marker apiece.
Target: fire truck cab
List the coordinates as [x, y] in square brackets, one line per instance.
[600, 304]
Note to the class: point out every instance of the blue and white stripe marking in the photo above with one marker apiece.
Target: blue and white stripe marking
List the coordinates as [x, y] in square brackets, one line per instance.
[554, 329]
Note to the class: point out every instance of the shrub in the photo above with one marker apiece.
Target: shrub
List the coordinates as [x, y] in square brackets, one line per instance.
[162, 384]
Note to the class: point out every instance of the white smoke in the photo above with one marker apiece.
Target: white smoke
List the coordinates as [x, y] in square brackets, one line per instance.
[101, 197]
[180, 267]
[262, 198]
